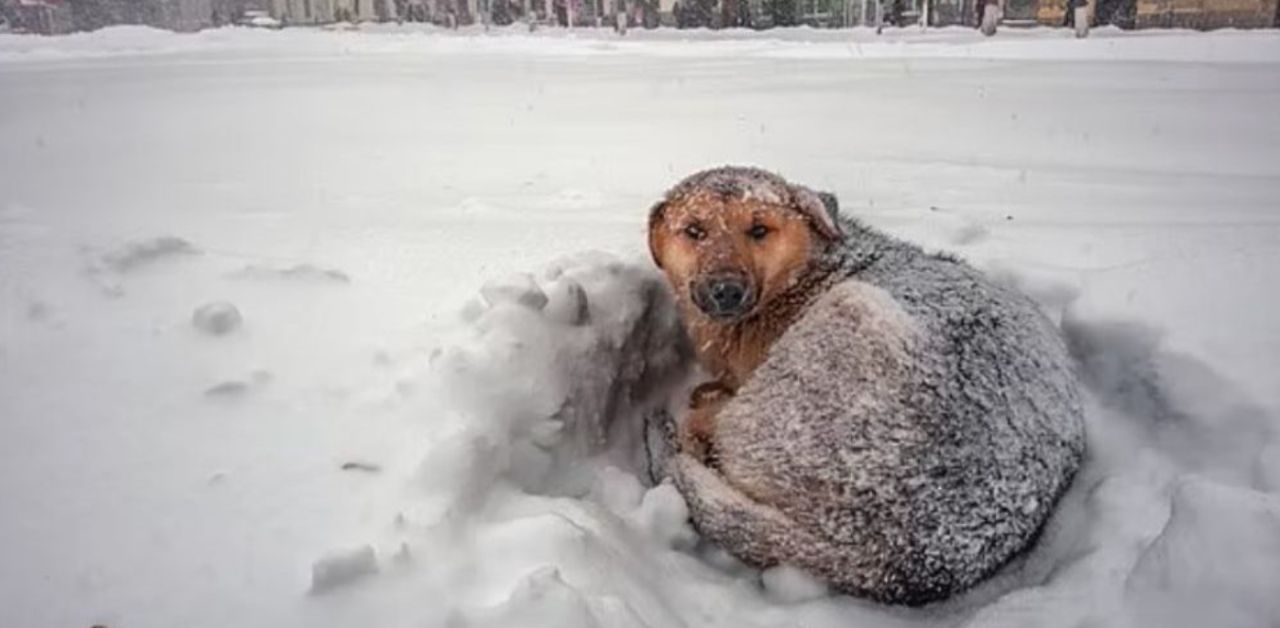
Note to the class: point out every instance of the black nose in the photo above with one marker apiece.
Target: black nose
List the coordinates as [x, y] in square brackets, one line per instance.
[724, 296]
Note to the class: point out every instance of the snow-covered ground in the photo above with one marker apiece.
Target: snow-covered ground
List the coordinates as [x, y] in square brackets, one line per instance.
[362, 438]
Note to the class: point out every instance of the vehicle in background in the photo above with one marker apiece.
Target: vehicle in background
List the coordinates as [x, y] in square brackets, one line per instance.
[258, 19]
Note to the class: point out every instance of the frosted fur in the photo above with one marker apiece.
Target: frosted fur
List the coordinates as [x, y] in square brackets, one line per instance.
[906, 437]
[757, 185]
[754, 184]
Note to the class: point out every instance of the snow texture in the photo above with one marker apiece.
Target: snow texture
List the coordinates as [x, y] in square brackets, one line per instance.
[294, 272]
[1127, 182]
[142, 253]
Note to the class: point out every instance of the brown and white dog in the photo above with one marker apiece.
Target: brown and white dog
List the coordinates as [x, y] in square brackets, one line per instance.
[887, 419]
[740, 260]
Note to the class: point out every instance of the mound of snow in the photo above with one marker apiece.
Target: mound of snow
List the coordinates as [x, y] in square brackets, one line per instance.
[553, 367]
[534, 506]
[218, 318]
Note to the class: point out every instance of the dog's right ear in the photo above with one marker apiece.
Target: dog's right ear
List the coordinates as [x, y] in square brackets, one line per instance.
[822, 210]
[656, 216]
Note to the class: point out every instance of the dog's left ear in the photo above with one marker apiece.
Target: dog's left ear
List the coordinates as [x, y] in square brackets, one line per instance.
[821, 208]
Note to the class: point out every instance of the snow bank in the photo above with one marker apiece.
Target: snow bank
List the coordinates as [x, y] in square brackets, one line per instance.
[1224, 46]
[529, 504]
[534, 506]
[556, 363]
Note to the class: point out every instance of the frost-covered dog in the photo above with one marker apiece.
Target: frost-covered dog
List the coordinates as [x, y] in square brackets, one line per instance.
[889, 420]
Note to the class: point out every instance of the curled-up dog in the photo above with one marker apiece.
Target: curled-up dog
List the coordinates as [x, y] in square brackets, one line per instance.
[887, 419]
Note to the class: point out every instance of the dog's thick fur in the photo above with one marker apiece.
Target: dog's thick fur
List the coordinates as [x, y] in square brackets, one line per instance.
[887, 419]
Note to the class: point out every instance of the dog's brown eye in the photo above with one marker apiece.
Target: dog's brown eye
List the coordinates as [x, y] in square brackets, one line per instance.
[758, 232]
[695, 232]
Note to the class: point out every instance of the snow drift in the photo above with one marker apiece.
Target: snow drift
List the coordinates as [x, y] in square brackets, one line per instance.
[1172, 521]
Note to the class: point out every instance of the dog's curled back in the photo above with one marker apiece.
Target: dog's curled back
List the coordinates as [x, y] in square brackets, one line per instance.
[909, 424]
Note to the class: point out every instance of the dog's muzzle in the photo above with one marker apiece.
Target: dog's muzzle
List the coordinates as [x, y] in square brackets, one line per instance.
[723, 296]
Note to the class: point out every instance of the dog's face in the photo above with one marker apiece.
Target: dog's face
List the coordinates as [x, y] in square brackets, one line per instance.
[729, 255]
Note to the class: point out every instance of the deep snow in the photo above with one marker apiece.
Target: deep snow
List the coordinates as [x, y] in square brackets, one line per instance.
[378, 440]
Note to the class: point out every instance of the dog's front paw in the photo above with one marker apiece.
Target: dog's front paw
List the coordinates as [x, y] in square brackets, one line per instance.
[709, 395]
[696, 435]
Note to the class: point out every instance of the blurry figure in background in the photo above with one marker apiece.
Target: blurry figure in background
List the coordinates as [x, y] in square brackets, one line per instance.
[501, 13]
[620, 17]
[693, 14]
[1078, 16]
[890, 16]
[649, 15]
[451, 16]
[896, 10]
[733, 14]
[989, 14]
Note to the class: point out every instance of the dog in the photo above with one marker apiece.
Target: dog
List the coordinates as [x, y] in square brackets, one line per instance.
[889, 420]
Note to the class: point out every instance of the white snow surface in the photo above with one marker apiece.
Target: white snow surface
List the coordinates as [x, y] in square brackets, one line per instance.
[428, 413]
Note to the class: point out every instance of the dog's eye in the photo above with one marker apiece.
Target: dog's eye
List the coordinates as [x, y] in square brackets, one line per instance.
[758, 232]
[695, 232]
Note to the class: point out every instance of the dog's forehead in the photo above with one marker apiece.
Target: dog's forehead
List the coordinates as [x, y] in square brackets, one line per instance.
[710, 205]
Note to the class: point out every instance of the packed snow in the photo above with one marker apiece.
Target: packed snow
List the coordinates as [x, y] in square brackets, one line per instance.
[311, 328]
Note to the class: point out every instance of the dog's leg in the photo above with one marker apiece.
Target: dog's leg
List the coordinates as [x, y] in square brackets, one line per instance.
[698, 427]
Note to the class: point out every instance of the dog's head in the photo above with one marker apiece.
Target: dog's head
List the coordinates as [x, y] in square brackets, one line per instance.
[730, 239]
